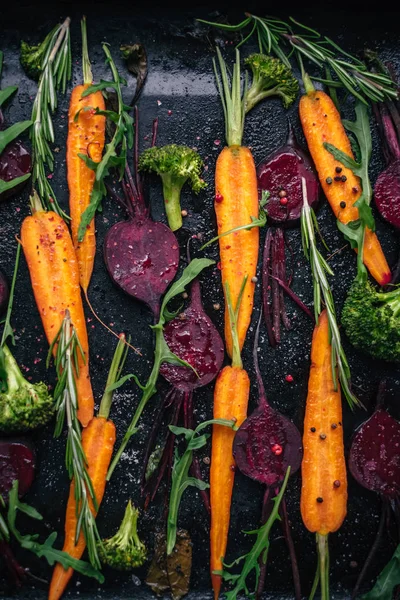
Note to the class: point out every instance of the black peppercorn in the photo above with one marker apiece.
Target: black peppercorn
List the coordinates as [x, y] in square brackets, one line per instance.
[313, 430]
[320, 500]
[336, 483]
[333, 426]
[322, 436]
[337, 178]
[344, 178]
[328, 180]
[338, 169]
[343, 204]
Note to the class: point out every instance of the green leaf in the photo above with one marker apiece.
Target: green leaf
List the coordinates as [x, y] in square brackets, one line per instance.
[343, 158]
[387, 581]
[99, 87]
[193, 269]
[12, 132]
[123, 380]
[7, 93]
[9, 185]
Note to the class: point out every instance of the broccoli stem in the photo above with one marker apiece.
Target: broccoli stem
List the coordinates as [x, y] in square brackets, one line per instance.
[255, 95]
[392, 299]
[172, 187]
[128, 528]
[15, 379]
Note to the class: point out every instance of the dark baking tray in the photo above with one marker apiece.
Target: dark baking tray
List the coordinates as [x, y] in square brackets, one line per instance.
[181, 80]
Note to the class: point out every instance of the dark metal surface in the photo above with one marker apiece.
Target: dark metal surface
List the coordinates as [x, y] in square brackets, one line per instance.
[181, 81]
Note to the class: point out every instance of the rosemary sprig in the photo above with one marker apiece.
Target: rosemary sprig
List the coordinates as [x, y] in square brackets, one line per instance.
[55, 72]
[278, 37]
[322, 291]
[66, 399]
[116, 149]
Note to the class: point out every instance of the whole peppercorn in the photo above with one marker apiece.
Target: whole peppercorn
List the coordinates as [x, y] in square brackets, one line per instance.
[338, 178]
[322, 436]
[344, 178]
[338, 169]
[336, 483]
[313, 430]
[320, 500]
[329, 180]
[343, 204]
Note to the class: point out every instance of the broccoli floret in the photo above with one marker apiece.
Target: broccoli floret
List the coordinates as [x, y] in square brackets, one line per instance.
[175, 165]
[31, 57]
[124, 551]
[270, 78]
[371, 320]
[23, 405]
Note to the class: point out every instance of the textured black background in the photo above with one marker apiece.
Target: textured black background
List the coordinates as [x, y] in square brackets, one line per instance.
[181, 80]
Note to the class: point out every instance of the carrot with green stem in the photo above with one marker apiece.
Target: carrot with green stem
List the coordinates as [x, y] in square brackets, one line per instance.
[86, 135]
[88, 454]
[231, 396]
[324, 481]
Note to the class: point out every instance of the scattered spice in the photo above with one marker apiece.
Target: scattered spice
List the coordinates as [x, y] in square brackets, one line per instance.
[216, 306]
[289, 378]
[320, 500]
[344, 178]
[322, 436]
[282, 194]
[338, 178]
[336, 483]
[333, 426]
[338, 169]
[329, 180]
[218, 197]
[313, 430]
[343, 204]
[254, 279]
[283, 201]
[277, 449]
[184, 213]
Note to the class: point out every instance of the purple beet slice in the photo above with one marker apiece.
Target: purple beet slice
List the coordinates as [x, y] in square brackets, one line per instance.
[4, 292]
[193, 337]
[15, 161]
[141, 256]
[374, 459]
[387, 194]
[17, 461]
[267, 442]
[280, 174]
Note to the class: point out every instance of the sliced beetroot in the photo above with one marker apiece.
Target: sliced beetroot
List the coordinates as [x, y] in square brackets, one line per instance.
[387, 194]
[280, 174]
[17, 461]
[15, 161]
[374, 459]
[4, 292]
[265, 445]
[194, 338]
[141, 256]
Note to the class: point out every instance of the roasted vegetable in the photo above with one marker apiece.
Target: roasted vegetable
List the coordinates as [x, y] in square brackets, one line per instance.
[23, 405]
[270, 78]
[124, 551]
[371, 320]
[176, 165]
[17, 462]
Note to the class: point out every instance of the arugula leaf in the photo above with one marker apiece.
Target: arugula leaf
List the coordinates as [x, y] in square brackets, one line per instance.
[7, 93]
[259, 549]
[387, 581]
[9, 185]
[180, 473]
[12, 132]
[45, 550]
[189, 273]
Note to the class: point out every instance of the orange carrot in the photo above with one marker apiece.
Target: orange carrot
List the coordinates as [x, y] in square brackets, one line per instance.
[54, 274]
[321, 123]
[236, 202]
[324, 480]
[86, 135]
[231, 396]
[98, 441]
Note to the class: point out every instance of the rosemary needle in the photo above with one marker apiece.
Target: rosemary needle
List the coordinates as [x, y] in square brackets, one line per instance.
[66, 400]
[322, 291]
[55, 72]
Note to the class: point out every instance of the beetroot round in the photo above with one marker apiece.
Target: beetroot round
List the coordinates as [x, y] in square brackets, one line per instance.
[281, 172]
[4, 292]
[17, 461]
[141, 256]
[15, 161]
[374, 459]
[193, 337]
[387, 194]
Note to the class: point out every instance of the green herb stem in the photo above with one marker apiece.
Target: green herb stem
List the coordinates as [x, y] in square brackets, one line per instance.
[66, 399]
[323, 565]
[8, 331]
[233, 102]
[56, 71]
[161, 354]
[86, 67]
[114, 374]
[322, 291]
[233, 321]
